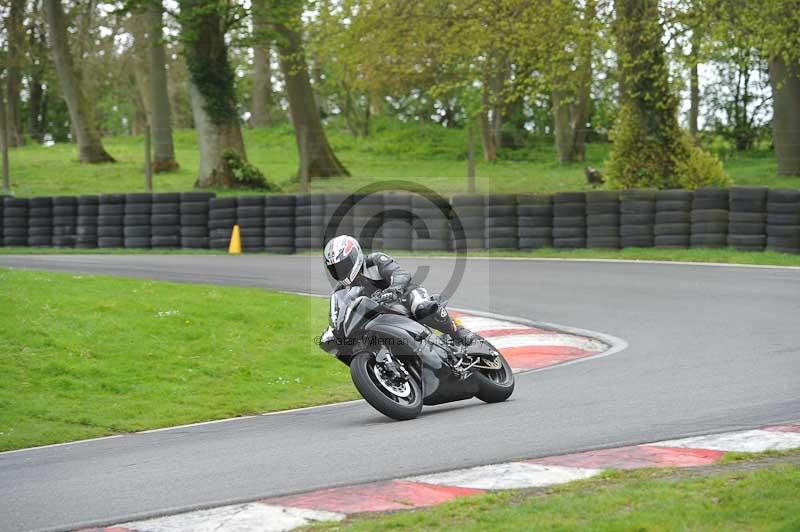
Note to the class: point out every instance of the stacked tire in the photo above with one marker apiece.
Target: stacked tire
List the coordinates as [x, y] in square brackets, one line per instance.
[468, 210]
[279, 216]
[165, 221]
[368, 219]
[710, 218]
[221, 219]
[637, 218]
[673, 227]
[194, 219]
[396, 232]
[602, 219]
[430, 224]
[569, 220]
[110, 221]
[15, 221]
[138, 210]
[747, 228]
[40, 222]
[65, 221]
[535, 221]
[86, 222]
[783, 220]
[2, 207]
[338, 218]
[500, 222]
[309, 229]
[250, 219]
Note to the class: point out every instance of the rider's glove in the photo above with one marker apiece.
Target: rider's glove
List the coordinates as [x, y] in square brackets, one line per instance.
[390, 295]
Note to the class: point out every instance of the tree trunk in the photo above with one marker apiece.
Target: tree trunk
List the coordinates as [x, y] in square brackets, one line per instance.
[564, 130]
[16, 38]
[81, 113]
[37, 103]
[261, 104]
[160, 116]
[212, 91]
[315, 153]
[694, 86]
[785, 80]
[213, 140]
[487, 134]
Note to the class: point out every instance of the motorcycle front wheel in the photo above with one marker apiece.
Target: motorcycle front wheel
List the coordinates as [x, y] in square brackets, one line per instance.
[495, 385]
[400, 402]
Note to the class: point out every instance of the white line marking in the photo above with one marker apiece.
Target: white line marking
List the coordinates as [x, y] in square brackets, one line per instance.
[478, 324]
[251, 517]
[538, 340]
[751, 441]
[512, 475]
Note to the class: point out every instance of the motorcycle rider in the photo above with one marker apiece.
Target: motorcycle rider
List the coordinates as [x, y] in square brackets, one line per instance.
[378, 272]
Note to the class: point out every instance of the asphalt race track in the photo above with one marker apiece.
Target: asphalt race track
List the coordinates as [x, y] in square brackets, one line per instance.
[711, 348]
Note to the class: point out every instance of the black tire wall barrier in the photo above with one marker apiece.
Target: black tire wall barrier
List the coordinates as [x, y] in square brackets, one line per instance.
[431, 224]
[40, 222]
[783, 220]
[221, 219]
[501, 222]
[637, 218]
[602, 219]
[569, 220]
[397, 230]
[279, 218]
[746, 218]
[86, 222]
[673, 228]
[110, 221]
[710, 218]
[194, 219]
[138, 209]
[15, 221]
[469, 208]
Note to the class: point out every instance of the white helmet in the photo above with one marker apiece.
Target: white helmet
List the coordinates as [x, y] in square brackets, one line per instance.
[343, 258]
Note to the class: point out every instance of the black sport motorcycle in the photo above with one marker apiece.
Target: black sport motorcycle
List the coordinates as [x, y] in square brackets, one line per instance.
[399, 364]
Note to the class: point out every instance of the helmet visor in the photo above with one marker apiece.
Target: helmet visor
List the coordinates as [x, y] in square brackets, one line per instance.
[341, 270]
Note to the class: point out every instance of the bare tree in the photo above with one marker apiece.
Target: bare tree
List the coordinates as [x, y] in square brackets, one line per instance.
[81, 112]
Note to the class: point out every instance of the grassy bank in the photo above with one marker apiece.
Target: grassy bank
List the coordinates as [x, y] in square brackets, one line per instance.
[86, 356]
[753, 495]
[730, 256]
[431, 155]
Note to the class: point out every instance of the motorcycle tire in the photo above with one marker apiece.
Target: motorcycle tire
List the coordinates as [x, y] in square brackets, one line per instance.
[495, 388]
[361, 371]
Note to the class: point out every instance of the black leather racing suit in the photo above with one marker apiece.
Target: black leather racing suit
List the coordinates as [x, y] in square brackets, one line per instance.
[381, 272]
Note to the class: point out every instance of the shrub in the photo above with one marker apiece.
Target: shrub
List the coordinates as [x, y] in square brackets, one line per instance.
[665, 159]
[246, 175]
[700, 168]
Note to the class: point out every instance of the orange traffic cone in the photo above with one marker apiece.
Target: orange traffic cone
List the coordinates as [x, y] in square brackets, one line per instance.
[235, 247]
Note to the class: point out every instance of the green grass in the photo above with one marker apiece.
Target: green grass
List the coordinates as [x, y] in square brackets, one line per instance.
[431, 155]
[725, 255]
[743, 498]
[86, 356]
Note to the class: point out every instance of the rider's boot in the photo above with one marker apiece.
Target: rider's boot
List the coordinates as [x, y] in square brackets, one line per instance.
[442, 321]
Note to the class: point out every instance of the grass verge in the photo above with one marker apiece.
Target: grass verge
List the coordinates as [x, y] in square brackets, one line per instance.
[725, 255]
[753, 494]
[429, 155]
[86, 356]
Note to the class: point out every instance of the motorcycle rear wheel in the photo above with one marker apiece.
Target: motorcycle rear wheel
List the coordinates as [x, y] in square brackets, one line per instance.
[381, 397]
